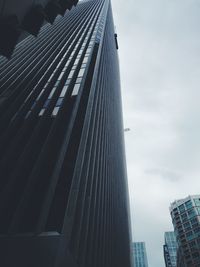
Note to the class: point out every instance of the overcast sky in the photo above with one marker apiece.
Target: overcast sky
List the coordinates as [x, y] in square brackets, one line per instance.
[159, 48]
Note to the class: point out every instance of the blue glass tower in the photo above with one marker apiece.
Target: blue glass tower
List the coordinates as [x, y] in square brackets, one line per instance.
[185, 215]
[170, 249]
[139, 254]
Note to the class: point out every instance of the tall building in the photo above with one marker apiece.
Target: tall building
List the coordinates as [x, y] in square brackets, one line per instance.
[185, 215]
[63, 184]
[139, 254]
[29, 16]
[170, 249]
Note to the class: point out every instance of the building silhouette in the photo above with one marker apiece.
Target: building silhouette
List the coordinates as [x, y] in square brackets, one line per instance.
[170, 249]
[27, 16]
[63, 183]
[185, 215]
[139, 254]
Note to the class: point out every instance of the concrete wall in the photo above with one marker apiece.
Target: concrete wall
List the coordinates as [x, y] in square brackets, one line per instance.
[28, 251]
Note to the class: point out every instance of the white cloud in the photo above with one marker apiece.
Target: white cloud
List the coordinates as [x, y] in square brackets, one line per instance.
[159, 44]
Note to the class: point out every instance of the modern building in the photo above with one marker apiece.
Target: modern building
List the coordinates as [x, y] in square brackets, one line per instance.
[63, 182]
[139, 255]
[16, 18]
[170, 249]
[185, 215]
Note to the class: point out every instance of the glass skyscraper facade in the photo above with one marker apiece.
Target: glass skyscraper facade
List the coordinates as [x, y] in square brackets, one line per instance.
[185, 215]
[170, 249]
[63, 183]
[139, 254]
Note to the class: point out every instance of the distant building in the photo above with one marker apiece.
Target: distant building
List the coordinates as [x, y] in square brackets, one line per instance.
[139, 255]
[170, 249]
[185, 215]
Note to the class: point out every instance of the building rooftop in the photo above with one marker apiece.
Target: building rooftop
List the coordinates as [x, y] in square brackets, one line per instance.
[179, 202]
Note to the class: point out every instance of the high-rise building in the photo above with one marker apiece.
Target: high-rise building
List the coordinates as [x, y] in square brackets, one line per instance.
[63, 182]
[27, 15]
[139, 254]
[185, 215]
[170, 249]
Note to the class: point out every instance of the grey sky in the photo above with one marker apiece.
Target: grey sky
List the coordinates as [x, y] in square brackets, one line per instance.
[159, 47]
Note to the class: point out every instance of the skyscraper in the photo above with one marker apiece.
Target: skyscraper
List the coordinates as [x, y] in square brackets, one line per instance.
[27, 15]
[185, 215]
[170, 249]
[63, 186]
[139, 254]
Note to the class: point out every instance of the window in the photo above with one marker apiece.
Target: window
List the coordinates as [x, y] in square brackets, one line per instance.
[55, 111]
[64, 90]
[56, 84]
[60, 77]
[68, 82]
[193, 221]
[81, 72]
[40, 94]
[71, 74]
[188, 204]
[184, 215]
[42, 112]
[198, 211]
[195, 255]
[76, 62]
[76, 89]
[89, 50]
[85, 60]
[59, 102]
[52, 92]
[83, 65]
[181, 208]
[46, 103]
[78, 80]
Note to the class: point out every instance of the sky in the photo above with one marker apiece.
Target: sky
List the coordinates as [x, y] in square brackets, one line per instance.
[159, 51]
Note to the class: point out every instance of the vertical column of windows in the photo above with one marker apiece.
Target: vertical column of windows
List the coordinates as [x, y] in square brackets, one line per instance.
[47, 83]
[74, 67]
[52, 75]
[64, 90]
